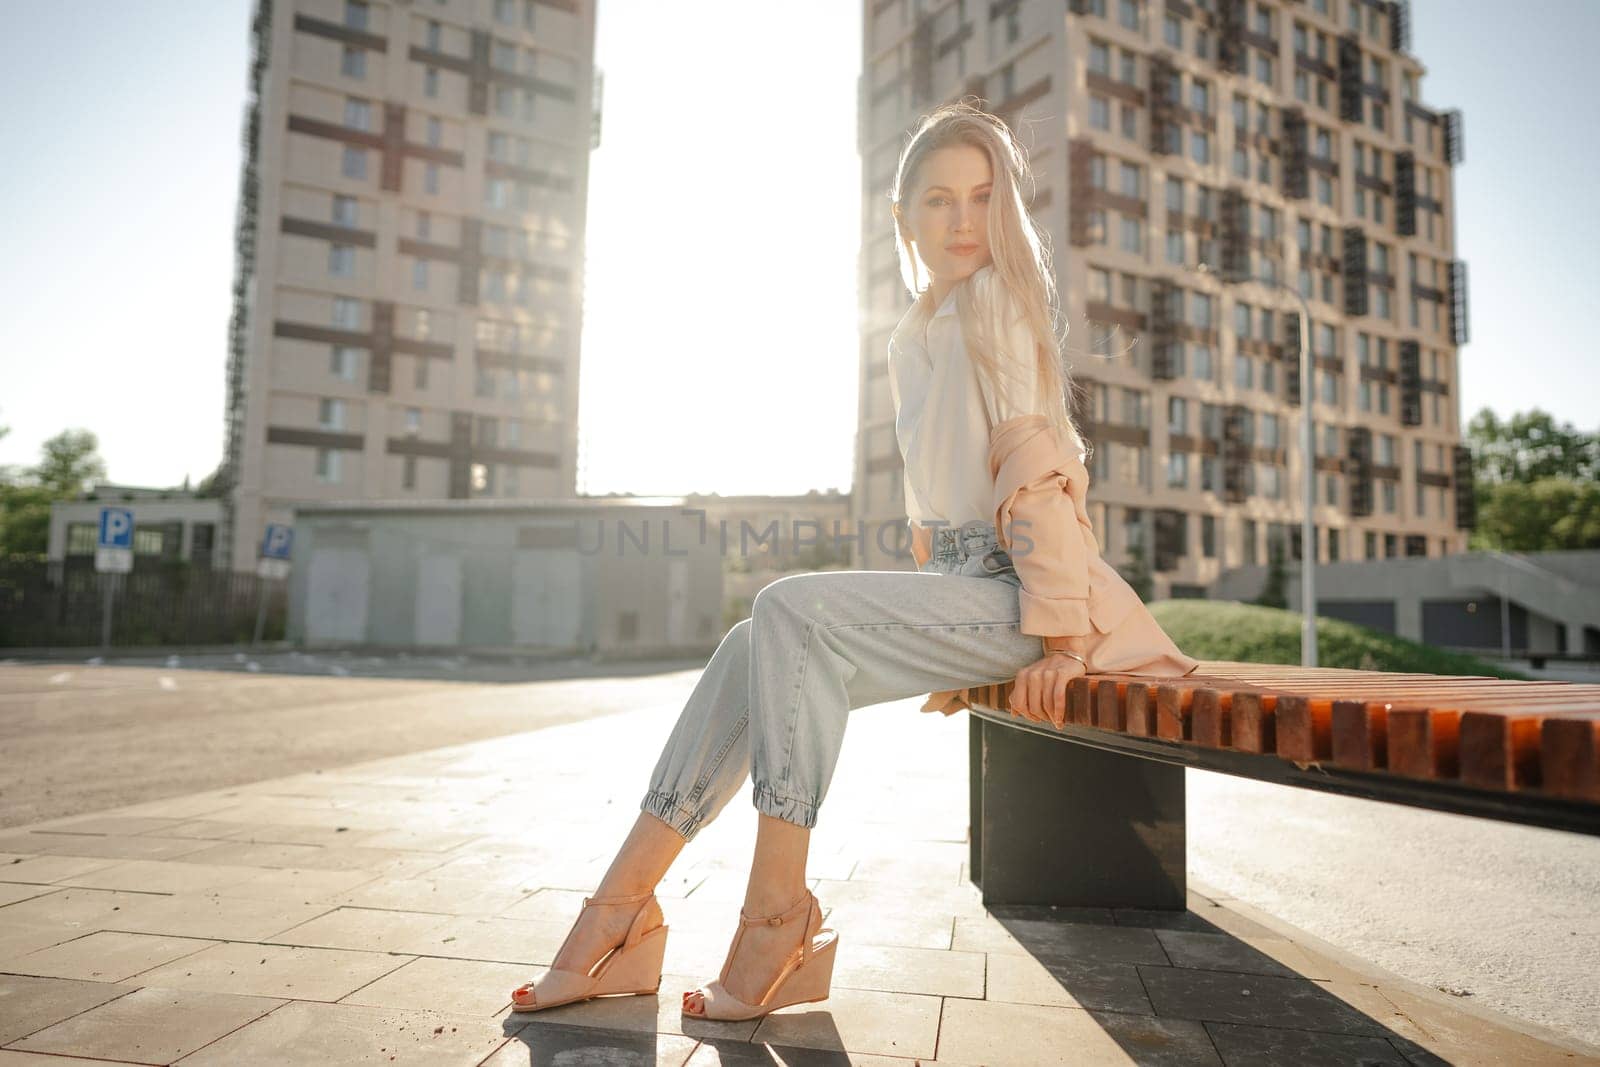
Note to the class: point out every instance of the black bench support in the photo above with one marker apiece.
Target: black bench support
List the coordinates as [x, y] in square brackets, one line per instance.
[1072, 825]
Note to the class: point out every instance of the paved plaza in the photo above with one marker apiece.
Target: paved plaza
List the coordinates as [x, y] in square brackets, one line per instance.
[382, 911]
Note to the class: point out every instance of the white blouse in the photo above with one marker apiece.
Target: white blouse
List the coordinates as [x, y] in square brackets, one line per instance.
[943, 411]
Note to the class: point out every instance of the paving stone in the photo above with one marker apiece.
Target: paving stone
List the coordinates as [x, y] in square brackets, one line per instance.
[110, 824]
[77, 911]
[1253, 999]
[1027, 1035]
[1221, 952]
[897, 969]
[1058, 940]
[51, 869]
[11, 892]
[302, 1032]
[294, 885]
[742, 1054]
[218, 918]
[557, 1044]
[266, 833]
[1266, 1046]
[491, 939]
[660, 1013]
[460, 987]
[205, 829]
[884, 1024]
[125, 848]
[874, 926]
[156, 876]
[364, 929]
[276, 971]
[39, 1059]
[28, 1004]
[105, 956]
[444, 896]
[149, 1025]
[1066, 983]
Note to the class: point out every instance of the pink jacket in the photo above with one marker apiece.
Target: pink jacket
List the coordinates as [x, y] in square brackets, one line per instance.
[1068, 591]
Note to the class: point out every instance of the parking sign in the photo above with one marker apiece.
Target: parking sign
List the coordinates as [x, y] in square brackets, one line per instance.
[114, 551]
[277, 541]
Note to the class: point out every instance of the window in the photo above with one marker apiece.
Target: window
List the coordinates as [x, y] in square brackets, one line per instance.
[354, 164]
[342, 362]
[346, 313]
[1200, 146]
[435, 131]
[435, 36]
[357, 114]
[1177, 415]
[430, 178]
[408, 472]
[430, 82]
[1097, 171]
[330, 413]
[1100, 113]
[1243, 372]
[1128, 67]
[1099, 285]
[413, 421]
[345, 211]
[419, 372]
[1100, 58]
[424, 226]
[1133, 234]
[1175, 247]
[1177, 470]
[1269, 430]
[328, 465]
[355, 14]
[1200, 97]
[1202, 364]
[1241, 320]
[341, 261]
[1263, 68]
[1172, 31]
[1130, 180]
[1130, 128]
[1128, 14]
[1175, 194]
[419, 275]
[505, 11]
[353, 63]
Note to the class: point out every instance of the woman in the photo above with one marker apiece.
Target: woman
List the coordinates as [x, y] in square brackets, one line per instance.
[980, 414]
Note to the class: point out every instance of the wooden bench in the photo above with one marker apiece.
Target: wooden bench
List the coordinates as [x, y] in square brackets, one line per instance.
[1101, 821]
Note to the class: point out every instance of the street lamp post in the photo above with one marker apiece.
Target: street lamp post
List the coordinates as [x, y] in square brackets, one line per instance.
[1308, 460]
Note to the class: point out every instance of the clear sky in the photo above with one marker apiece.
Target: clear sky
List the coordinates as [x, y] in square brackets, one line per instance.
[719, 345]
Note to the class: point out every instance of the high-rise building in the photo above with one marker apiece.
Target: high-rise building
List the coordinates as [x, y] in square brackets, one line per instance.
[1198, 163]
[408, 296]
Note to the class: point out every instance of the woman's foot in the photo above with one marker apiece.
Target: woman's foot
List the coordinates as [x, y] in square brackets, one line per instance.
[599, 928]
[760, 955]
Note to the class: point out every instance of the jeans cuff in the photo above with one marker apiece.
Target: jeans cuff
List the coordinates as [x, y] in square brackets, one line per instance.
[790, 809]
[664, 806]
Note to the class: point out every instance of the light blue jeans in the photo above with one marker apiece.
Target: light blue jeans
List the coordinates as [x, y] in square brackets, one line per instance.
[773, 700]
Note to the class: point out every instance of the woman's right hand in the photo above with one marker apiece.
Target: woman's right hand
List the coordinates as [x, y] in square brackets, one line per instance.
[921, 544]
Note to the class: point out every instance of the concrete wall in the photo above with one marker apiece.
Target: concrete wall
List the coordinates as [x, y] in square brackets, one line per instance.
[618, 581]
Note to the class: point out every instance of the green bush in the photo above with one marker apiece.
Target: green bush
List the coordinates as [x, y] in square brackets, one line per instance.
[1225, 630]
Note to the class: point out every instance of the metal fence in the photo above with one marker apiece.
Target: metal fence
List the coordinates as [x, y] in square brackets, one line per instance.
[57, 603]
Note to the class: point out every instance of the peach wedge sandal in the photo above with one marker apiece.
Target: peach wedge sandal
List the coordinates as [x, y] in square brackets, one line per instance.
[807, 974]
[631, 967]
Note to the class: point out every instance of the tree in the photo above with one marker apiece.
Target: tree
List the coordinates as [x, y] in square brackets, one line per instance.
[67, 465]
[1548, 515]
[1275, 593]
[1537, 483]
[1530, 446]
[70, 463]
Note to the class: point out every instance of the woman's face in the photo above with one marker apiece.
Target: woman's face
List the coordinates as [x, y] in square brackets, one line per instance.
[948, 216]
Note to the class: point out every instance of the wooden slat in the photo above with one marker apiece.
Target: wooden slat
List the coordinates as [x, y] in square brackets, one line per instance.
[1255, 722]
[1570, 757]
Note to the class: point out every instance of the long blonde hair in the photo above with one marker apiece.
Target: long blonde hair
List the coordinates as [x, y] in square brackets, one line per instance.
[1020, 248]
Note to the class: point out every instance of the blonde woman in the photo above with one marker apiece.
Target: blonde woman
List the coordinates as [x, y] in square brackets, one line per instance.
[1010, 584]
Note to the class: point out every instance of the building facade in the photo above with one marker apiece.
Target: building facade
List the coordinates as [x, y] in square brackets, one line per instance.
[1197, 164]
[410, 255]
